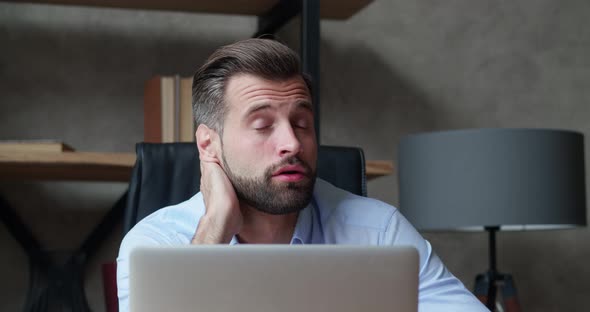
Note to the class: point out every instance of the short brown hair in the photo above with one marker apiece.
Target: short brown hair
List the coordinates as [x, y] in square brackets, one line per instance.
[266, 58]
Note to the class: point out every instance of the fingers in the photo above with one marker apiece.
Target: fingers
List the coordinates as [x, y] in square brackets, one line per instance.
[216, 186]
[222, 217]
[209, 159]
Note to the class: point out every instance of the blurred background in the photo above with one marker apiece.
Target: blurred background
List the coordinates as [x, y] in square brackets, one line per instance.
[77, 74]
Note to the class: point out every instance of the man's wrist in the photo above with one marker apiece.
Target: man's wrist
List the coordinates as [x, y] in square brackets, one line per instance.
[212, 230]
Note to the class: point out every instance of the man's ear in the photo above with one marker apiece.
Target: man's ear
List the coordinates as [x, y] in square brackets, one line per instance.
[208, 143]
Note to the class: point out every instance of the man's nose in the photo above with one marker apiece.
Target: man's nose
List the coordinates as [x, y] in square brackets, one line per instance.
[288, 142]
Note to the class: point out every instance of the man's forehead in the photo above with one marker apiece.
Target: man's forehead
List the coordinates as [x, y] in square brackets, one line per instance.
[250, 88]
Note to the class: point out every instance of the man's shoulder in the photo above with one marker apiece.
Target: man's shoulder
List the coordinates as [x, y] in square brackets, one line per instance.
[170, 225]
[340, 207]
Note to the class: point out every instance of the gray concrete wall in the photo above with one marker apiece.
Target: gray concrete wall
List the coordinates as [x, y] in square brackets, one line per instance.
[397, 67]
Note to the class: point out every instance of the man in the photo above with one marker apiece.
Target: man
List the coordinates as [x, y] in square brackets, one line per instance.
[257, 146]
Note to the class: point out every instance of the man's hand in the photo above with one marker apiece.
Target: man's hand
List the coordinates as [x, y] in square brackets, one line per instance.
[222, 219]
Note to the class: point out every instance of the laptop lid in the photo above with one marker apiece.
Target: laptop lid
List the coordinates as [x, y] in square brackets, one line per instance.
[272, 278]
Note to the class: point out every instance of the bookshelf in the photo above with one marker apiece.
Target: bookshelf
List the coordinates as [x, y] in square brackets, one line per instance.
[271, 14]
[329, 9]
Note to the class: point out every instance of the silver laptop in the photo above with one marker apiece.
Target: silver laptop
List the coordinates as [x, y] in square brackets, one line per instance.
[274, 278]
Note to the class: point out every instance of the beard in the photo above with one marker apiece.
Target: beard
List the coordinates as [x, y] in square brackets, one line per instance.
[263, 194]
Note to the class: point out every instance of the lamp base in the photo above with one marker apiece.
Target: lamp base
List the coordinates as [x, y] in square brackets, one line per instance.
[497, 291]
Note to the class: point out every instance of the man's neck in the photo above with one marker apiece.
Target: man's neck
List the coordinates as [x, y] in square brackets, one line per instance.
[263, 228]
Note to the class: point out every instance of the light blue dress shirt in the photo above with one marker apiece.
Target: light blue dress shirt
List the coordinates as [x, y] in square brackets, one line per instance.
[334, 216]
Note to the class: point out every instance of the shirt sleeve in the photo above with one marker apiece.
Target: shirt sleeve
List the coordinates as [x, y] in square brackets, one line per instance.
[438, 289]
[144, 236]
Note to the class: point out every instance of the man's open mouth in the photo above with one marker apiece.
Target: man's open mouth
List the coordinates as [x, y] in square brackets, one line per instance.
[291, 173]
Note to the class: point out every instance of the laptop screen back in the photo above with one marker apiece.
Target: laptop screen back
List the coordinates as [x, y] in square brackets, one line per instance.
[272, 278]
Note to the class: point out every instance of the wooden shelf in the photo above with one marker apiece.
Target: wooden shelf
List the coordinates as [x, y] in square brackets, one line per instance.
[330, 9]
[85, 166]
[74, 166]
[378, 168]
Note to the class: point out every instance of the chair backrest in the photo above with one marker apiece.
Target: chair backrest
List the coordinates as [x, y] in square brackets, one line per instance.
[168, 173]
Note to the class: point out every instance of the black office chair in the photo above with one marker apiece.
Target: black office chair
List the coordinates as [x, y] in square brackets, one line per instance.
[168, 173]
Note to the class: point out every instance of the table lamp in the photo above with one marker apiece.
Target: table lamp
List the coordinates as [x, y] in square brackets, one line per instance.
[493, 179]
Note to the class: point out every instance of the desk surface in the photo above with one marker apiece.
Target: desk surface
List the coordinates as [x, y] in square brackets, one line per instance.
[86, 166]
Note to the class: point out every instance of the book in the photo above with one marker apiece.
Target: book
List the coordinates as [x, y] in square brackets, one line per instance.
[186, 119]
[152, 111]
[34, 146]
[167, 104]
[168, 113]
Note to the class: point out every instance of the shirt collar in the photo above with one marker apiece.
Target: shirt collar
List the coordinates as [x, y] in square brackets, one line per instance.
[303, 228]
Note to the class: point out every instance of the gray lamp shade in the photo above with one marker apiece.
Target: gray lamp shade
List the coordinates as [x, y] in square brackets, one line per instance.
[517, 179]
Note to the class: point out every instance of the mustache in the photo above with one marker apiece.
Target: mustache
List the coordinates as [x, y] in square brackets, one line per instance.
[293, 160]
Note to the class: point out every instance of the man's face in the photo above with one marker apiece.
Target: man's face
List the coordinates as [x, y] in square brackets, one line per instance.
[269, 148]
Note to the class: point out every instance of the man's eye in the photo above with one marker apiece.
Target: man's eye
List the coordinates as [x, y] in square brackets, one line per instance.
[261, 125]
[302, 124]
